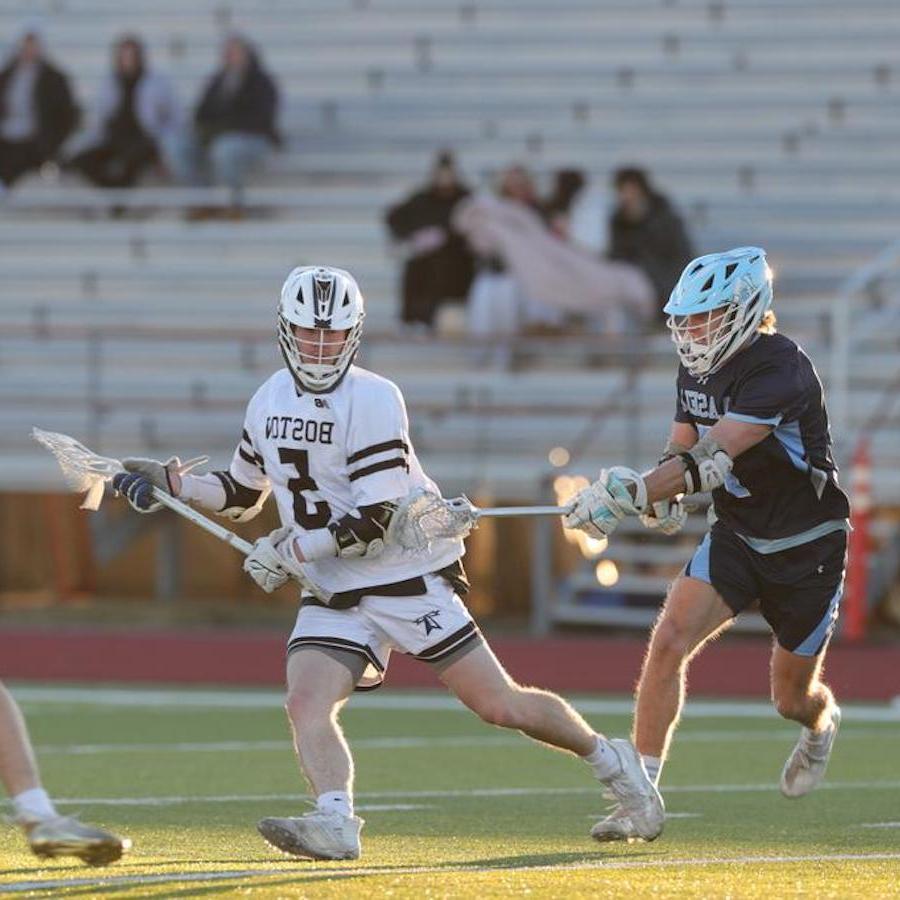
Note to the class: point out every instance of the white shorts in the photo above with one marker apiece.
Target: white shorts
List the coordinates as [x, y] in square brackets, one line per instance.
[431, 627]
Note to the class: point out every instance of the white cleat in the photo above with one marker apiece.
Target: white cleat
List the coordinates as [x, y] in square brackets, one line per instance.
[805, 767]
[66, 836]
[615, 827]
[638, 799]
[317, 835]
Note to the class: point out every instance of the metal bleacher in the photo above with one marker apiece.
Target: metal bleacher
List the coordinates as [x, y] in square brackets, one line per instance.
[767, 121]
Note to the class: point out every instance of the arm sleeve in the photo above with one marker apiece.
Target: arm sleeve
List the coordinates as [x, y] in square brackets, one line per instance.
[769, 394]
[378, 447]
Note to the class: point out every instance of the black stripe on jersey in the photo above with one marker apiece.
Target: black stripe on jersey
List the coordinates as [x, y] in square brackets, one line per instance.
[377, 448]
[255, 459]
[447, 646]
[237, 494]
[246, 438]
[397, 463]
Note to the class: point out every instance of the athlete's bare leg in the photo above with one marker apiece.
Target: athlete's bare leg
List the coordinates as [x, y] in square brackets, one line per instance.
[693, 613]
[318, 686]
[481, 682]
[18, 768]
[798, 691]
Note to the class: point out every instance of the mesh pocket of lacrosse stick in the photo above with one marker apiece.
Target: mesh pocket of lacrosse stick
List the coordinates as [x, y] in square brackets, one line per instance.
[424, 517]
[82, 469]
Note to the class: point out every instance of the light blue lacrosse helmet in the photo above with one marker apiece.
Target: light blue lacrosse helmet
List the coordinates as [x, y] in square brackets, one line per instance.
[739, 282]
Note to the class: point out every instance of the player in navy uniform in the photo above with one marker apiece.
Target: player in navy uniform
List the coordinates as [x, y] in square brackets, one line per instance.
[750, 427]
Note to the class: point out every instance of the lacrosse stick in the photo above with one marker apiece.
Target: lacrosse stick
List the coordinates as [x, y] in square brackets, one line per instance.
[85, 470]
[424, 517]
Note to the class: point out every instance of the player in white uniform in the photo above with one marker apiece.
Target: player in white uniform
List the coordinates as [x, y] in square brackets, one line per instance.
[331, 441]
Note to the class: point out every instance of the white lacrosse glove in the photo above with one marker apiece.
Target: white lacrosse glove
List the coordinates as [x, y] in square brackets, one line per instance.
[599, 508]
[141, 475]
[668, 516]
[272, 563]
[264, 564]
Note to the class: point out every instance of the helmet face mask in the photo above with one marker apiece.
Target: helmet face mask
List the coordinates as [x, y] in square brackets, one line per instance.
[320, 318]
[717, 306]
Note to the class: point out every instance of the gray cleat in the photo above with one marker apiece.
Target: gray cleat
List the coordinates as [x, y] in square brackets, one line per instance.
[317, 835]
[615, 827]
[805, 767]
[636, 795]
[66, 836]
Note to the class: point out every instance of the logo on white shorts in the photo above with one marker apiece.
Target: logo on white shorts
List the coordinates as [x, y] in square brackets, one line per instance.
[429, 620]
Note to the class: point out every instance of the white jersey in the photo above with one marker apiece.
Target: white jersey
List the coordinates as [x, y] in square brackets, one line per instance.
[325, 455]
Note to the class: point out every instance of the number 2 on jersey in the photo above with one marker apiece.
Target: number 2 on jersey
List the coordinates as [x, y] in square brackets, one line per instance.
[320, 515]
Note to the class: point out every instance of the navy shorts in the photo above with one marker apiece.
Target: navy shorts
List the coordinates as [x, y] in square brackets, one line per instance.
[799, 590]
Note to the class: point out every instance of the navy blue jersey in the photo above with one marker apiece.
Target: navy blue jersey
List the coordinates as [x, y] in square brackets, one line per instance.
[787, 483]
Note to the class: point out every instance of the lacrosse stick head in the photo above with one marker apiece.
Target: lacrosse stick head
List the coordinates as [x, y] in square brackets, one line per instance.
[83, 470]
[424, 517]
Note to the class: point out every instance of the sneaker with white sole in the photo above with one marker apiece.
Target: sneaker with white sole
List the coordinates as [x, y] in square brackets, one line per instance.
[805, 767]
[66, 836]
[636, 795]
[317, 835]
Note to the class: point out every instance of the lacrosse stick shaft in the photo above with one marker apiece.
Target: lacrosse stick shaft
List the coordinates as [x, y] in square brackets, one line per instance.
[504, 512]
[191, 514]
[222, 533]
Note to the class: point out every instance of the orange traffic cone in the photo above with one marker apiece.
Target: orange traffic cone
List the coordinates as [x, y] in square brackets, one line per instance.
[856, 599]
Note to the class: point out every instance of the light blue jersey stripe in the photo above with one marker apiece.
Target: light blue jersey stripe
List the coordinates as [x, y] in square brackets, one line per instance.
[822, 631]
[754, 420]
[764, 545]
[699, 564]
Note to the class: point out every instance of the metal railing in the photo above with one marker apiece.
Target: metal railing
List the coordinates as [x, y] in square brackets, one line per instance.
[861, 292]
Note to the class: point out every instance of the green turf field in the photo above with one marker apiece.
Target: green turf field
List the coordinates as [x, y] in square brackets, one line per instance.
[454, 808]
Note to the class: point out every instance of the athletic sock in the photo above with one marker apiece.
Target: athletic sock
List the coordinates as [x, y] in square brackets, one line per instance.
[603, 759]
[34, 805]
[818, 739]
[335, 801]
[653, 765]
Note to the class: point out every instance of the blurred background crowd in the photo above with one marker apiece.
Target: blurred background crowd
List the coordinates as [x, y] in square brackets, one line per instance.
[507, 260]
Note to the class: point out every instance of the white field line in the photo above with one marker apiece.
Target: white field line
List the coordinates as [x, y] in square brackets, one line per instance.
[471, 793]
[414, 701]
[879, 825]
[414, 742]
[324, 874]
[669, 815]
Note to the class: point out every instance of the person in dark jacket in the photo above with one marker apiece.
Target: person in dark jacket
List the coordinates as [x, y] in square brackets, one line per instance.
[134, 119]
[439, 264]
[234, 122]
[37, 110]
[646, 232]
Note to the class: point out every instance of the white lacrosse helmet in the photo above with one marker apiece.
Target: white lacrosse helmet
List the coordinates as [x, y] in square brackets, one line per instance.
[328, 300]
[734, 289]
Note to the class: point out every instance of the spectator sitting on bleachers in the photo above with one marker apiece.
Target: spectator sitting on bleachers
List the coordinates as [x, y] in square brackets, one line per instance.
[578, 211]
[498, 303]
[234, 122]
[567, 184]
[37, 111]
[135, 120]
[439, 264]
[544, 280]
[647, 233]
